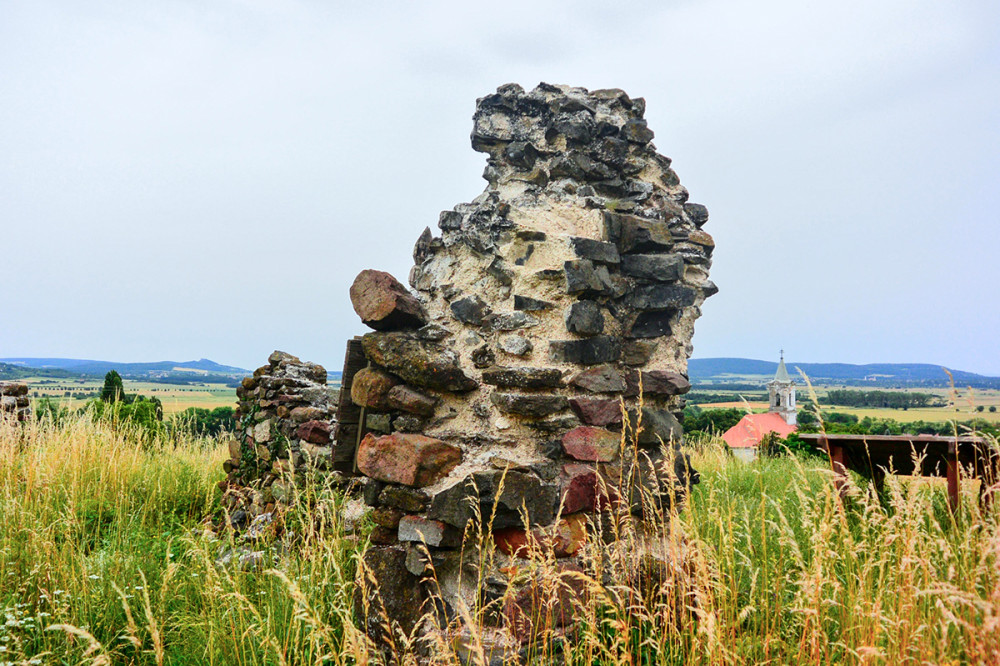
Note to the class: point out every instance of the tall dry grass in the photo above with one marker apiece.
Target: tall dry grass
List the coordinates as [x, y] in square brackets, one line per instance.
[102, 562]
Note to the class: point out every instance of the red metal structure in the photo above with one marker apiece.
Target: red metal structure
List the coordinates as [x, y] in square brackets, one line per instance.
[874, 456]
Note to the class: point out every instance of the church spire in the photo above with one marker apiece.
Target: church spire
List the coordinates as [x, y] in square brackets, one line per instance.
[782, 374]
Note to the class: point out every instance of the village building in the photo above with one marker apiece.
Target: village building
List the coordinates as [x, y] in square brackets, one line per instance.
[745, 437]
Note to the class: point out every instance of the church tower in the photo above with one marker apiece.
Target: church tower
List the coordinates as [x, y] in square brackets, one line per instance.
[781, 392]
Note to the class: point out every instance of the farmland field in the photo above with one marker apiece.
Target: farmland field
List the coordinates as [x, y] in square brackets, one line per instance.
[74, 393]
[962, 405]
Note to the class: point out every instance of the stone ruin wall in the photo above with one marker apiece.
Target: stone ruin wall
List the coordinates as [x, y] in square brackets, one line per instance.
[540, 310]
[286, 418]
[498, 385]
[14, 401]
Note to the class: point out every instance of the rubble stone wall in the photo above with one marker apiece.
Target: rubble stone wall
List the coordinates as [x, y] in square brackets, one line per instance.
[14, 401]
[285, 417]
[540, 310]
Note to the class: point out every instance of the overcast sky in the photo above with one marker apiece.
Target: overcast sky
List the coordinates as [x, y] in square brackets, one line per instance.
[205, 179]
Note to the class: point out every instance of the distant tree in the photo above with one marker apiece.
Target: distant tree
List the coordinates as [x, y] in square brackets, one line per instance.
[114, 389]
[980, 408]
[993, 408]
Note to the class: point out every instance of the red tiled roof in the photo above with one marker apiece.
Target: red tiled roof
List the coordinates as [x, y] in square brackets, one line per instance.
[752, 428]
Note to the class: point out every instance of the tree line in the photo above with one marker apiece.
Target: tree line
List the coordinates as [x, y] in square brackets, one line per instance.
[882, 399]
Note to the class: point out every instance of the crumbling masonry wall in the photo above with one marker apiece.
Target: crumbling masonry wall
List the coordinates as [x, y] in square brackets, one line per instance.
[285, 417]
[14, 401]
[544, 305]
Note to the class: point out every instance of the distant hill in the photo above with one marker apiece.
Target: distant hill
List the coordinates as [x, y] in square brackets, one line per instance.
[736, 370]
[158, 369]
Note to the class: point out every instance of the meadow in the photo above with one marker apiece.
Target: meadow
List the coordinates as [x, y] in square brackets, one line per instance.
[104, 559]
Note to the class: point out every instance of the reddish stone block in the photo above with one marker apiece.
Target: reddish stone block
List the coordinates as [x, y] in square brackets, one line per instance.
[591, 444]
[545, 603]
[581, 489]
[409, 459]
[597, 411]
[664, 382]
[370, 388]
[410, 400]
[314, 432]
[384, 304]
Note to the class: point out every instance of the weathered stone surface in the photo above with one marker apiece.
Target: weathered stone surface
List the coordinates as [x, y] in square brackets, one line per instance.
[430, 532]
[697, 213]
[661, 297]
[381, 423]
[387, 517]
[635, 131]
[515, 345]
[370, 388]
[581, 489]
[318, 455]
[535, 406]
[529, 304]
[412, 460]
[564, 539]
[655, 324]
[638, 352]
[597, 411]
[410, 500]
[552, 606]
[636, 235]
[523, 378]
[591, 444]
[585, 318]
[599, 252]
[656, 267]
[383, 303]
[664, 382]
[305, 413]
[470, 310]
[483, 357]
[410, 400]
[511, 321]
[584, 277]
[499, 496]
[13, 389]
[385, 589]
[314, 432]
[592, 351]
[657, 425]
[600, 379]
[417, 361]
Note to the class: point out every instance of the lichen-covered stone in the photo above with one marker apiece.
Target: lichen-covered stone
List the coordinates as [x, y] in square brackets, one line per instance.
[409, 459]
[417, 361]
[535, 406]
[370, 388]
[523, 378]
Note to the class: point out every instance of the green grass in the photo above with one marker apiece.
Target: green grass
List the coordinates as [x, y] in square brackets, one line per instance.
[103, 560]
